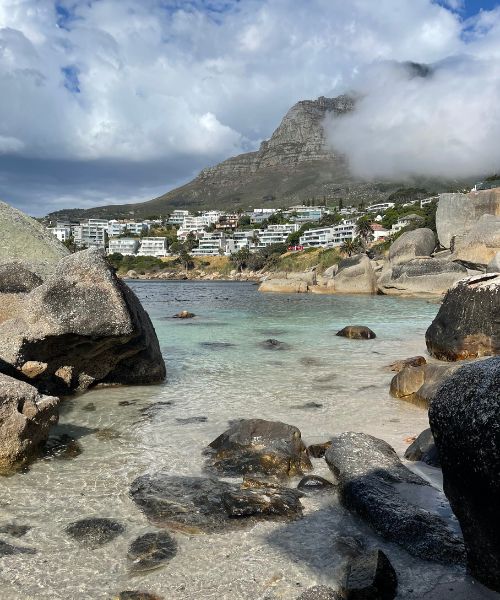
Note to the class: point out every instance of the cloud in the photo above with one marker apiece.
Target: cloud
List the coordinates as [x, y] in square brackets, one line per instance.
[136, 84]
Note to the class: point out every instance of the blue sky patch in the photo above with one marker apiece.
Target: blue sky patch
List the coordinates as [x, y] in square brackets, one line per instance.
[71, 81]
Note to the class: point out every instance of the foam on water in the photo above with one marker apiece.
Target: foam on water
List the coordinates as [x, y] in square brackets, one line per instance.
[218, 369]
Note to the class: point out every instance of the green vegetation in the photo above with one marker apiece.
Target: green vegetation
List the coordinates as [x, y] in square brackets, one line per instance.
[427, 212]
[351, 247]
[411, 194]
[300, 261]
[141, 264]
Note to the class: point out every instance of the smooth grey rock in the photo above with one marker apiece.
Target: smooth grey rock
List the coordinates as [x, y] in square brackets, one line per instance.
[355, 275]
[467, 324]
[94, 532]
[419, 384]
[357, 332]
[315, 483]
[151, 551]
[424, 449]
[370, 576]
[411, 245]
[372, 480]
[256, 446]
[15, 278]
[465, 421]
[479, 245]
[413, 361]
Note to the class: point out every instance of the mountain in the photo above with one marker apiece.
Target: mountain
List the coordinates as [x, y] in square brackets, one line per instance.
[294, 165]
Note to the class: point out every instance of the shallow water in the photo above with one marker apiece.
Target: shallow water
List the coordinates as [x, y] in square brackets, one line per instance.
[219, 370]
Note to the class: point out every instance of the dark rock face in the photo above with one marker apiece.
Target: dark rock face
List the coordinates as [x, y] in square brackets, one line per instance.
[199, 504]
[357, 332]
[94, 532]
[465, 420]
[424, 449]
[15, 278]
[86, 326]
[259, 447]
[467, 324]
[320, 592]
[151, 551]
[315, 483]
[25, 420]
[318, 450]
[9, 549]
[370, 576]
[373, 484]
[15, 530]
[137, 595]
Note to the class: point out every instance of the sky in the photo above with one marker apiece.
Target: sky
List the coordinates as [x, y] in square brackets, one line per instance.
[114, 101]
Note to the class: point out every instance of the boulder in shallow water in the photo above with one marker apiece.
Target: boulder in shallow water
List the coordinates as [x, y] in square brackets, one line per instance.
[94, 532]
[412, 244]
[370, 577]
[413, 361]
[151, 551]
[465, 420]
[25, 420]
[375, 484]
[357, 332]
[355, 275]
[467, 324]
[419, 384]
[424, 449]
[274, 344]
[9, 550]
[256, 446]
[184, 314]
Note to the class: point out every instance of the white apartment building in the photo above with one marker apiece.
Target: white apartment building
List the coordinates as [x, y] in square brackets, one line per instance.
[214, 244]
[196, 225]
[211, 217]
[177, 217]
[133, 227]
[382, 206]
[405, 221]
[307, 214]
[153, 246]
[89, 235]
[62, 232]
[275, 234]
[328, 237]
[260, 214]
[125, 246]
[343, 232]
[243, 239]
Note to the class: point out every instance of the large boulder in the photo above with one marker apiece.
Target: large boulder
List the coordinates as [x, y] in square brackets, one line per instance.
[283, 286]
[465, 420]
[81, 327]
[15, 278]
[258, 446]
[24, 239]
[467, 324]
[412, 244]
[355, 275]
[424, 449]
[479, 244]
[25, 420]
[457, 213]
[431, 276]
[375, 484]
[370, 576]
[418, 384]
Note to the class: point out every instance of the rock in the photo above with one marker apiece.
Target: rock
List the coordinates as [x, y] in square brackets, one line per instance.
[15, 278]
[25, 420]
[152, 410]
[273, 344]
[318, 450]
[107, 433]
[412, 244]
[89, 407]
[370, 577]
[320, 592]
[132, 274]
[200, 504]
[357, 332]
[184, 314]
[151, 551]
[15, 530]
[424, 449]
[314, 483]
[480, 244]
[494, 264]
[467, 324]
[307, 406]
[26, 241]
[10, 550]
[457, 213]
[61, 446]
[87, 326]
[137, 595]
[94, 532]
[419, 384]
[375, 484]
[355, 275]
[190, 420]
[413, 361]
[330, 272]
[283, 286]
[255, 446]
[465, 420]
[431, 276]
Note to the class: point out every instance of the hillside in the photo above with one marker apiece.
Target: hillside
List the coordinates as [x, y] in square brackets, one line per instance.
[294, 165]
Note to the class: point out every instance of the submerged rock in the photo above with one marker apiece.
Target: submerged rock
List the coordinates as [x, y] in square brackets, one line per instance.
[357, 332]
[184, 314]
[465, 420]
[467, 324]
[190, 420]
[273, 344]
[61, 446]
[375, 484]
[151, 551]
[370, 577]
[307, 405]
[424, 449]
[201, 504]
[259, 447]
[94, 532]
[315, 483]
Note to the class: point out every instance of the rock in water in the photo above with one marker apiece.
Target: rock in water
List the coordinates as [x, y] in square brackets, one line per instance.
[259, 447]
[413, 361]
[200, 504]
[184, 314]
[318, 450]
[370, 577]
[315, 483]
[467, 324]
[494, 264]
[87, 326]
[283, 286]
[465, 420]
[419, 384]
[357, 332]
[424, 449]
[355, 275]
[25, 420]
[412, 244]
[375, 484]
[151, 551]
[94, 532]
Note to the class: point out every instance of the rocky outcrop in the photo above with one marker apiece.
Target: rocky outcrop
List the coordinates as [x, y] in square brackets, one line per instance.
[370, 576]
[457, 213]
[283, 286]
[259, 447]
[355, 275]
[478, 245]
[412, 244]
[494, 264]
[412, 361]
[25, 420]
[424, 449]
[467, 324]
[419, 384]
[375, 484]
[357, 332]
[81, 327]
[25, 240]
[465, 420]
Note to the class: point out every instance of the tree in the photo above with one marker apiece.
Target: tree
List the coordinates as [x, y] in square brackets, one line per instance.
[240, 258]
[186, 260]
[255, 239]
[350, 247]
[70, 244]
[364, 230]
[329, 220]
[244, 221]
[191, 241]
[341, 204]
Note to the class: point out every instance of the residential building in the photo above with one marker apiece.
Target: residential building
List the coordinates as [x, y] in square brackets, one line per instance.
[132, 227]
[275, 234]
[61, 231]
[316, 238]
[153, 246]
[428, 201]
[306, 214]
[379, 232]
[259, 215]
[405, 221]
[87, 235]
[177, 217]
[214, 244]
[382, 206]
[227, 222]
[243, 239]
[125, 246]
[195, 225]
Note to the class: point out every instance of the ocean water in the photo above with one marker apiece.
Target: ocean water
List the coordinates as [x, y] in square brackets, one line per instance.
[218, 369]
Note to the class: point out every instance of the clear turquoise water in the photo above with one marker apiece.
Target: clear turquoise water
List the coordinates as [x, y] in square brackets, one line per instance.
[218, 369]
